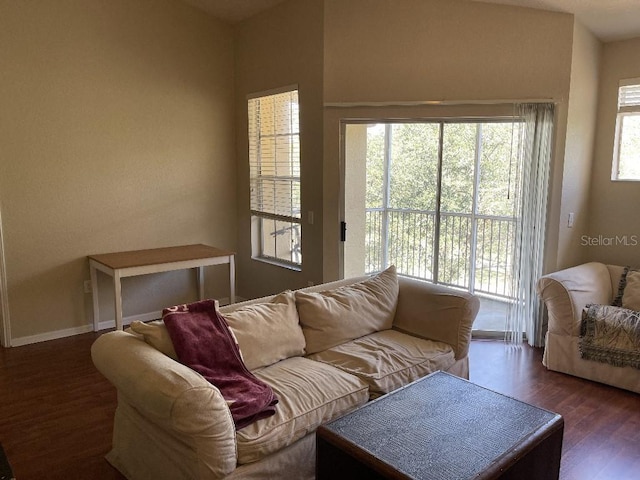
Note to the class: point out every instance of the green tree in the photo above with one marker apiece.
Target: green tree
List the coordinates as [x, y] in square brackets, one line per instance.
[412, 202]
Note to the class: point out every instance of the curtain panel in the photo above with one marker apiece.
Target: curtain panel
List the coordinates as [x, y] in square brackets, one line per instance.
[525, 313]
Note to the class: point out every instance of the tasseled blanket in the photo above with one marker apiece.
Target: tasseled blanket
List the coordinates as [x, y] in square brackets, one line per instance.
[610, 334]
[203, 342]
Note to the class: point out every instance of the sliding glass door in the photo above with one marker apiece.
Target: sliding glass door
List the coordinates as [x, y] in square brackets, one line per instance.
[435, 199]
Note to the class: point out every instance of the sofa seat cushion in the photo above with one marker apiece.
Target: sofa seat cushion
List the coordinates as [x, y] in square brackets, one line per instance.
[389, 359]
[310, 393]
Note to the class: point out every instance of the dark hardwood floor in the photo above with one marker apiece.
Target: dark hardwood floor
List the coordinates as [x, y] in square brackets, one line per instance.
[56, 410]
[602, 423]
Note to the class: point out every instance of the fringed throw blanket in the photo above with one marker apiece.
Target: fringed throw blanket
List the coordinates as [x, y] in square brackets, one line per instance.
[611, 335]
[203, 342]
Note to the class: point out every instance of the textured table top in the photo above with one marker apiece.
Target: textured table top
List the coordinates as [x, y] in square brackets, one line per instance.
[441, 427]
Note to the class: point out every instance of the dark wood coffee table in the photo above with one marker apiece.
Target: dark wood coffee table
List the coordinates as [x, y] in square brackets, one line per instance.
[442, 427]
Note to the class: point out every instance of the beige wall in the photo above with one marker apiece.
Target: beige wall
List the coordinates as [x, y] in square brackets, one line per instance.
[280, 47]
[386, 50]
[451, 50]
[116, 133]
[117, 129]
[612, 204]
[578, 154]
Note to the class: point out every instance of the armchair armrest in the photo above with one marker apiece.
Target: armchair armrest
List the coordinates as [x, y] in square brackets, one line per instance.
[437, 313]
[566, 292]
[170, 395]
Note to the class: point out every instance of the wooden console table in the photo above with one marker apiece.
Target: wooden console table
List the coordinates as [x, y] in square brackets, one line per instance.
[142, 262]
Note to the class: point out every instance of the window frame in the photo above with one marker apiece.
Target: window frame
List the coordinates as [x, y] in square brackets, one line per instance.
[258, 213]
[625, 109]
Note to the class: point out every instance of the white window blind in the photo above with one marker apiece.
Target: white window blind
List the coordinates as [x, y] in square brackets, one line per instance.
[629, 95]
[274, 163]
[626, 153]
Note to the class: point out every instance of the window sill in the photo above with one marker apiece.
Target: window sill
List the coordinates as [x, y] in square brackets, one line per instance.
[276, 263]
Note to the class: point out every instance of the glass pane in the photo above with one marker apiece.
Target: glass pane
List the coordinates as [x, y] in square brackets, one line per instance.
[284, 156]
[266, 111]
[280, 197]
[498, 168]
[294, 141]
[629, 96]
[474, 247]
[455, 250]
[410, 243]
[289, 204]
[414, 166]
[268, 240]
[266, 162]
[274, 154]
[282, 114]
[458, 164]
[374, 242]
[294, 112]
[281, 240]
[629, 160]
[374, 197]
[253, 122]
[495, 238]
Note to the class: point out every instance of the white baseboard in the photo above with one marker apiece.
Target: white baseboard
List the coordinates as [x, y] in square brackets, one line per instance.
[143, 317]
[104, 325]
[45, 337]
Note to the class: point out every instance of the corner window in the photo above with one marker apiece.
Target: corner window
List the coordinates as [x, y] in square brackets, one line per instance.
[626, 150]
[274, 164]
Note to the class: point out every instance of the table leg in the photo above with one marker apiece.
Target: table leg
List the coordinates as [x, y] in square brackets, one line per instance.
[200, 280]
[232, 279]
[117, 292]
[94, 297]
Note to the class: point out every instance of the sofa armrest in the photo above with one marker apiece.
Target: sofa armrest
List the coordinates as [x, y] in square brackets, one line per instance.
[170, 395]
[566, 293]
[437, 313]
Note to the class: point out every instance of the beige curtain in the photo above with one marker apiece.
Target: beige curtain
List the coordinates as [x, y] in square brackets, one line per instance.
[531, 187]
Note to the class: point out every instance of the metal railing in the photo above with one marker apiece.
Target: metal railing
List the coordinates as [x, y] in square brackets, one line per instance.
[474, 252]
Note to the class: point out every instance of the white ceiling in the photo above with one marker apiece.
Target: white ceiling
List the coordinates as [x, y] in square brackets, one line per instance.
[607, 19]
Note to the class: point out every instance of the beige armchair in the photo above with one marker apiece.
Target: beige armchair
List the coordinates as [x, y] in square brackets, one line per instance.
[565, 294]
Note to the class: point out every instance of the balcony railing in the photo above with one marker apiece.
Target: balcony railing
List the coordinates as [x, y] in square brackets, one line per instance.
[474, 251]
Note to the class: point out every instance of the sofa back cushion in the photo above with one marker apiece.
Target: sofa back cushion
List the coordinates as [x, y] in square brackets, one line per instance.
[335, 316]
[155, 334]
[267, 332]
[628, 293]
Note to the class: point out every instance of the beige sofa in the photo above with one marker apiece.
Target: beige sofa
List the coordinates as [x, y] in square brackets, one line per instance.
[325, 360]
[565, 294]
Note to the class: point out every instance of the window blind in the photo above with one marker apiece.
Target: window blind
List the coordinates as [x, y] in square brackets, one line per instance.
[629, 95]
[274, 164]
[274, 155]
